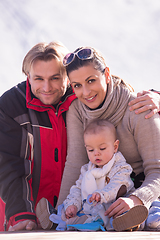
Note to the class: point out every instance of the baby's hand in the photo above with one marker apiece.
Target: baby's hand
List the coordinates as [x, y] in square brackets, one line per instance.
[71, 211]
[95, 197]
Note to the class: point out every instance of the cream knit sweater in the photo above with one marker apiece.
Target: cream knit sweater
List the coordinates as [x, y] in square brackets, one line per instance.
[93, 179]
[139, 141]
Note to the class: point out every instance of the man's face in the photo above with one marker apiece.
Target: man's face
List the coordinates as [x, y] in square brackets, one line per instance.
[47, 82]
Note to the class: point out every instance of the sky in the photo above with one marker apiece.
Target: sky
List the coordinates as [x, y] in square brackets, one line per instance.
[126, 32]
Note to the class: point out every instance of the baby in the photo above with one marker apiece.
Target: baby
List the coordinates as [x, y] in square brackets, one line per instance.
[102, 179]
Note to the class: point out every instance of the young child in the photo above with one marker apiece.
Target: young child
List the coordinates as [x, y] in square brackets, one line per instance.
[105, 178]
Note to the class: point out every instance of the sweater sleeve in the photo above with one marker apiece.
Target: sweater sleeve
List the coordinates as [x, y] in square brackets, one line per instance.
[155, 91]
[118, 176]
[75, 197]
[145, 155]
[76, 152]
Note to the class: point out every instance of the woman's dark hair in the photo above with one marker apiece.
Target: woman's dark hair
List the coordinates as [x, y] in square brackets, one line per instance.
[97, 61]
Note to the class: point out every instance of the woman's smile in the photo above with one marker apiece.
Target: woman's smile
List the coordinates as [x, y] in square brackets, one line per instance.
[91, 99]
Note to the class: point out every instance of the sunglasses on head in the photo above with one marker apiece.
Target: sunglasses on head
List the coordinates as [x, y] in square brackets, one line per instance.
[83, 54]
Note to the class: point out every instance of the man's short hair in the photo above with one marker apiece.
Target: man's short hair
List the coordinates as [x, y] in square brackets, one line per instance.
[45, 52]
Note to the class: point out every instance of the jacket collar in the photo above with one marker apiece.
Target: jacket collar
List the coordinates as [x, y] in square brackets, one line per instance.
[34, 103]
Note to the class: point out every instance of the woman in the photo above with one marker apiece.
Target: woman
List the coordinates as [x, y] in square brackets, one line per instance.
[102, 95]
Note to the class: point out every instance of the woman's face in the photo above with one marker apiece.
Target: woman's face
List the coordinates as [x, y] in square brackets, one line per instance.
[90, 85]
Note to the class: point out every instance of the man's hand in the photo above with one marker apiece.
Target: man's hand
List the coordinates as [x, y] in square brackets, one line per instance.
[146, 100]
[122, 205]
[71, 211]
[95, 197]
[23, 225]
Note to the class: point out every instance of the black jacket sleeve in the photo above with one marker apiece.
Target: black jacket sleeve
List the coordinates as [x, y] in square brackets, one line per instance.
[15, 165]
[12, 166]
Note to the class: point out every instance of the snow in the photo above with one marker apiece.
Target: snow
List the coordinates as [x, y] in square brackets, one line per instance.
[127, 32]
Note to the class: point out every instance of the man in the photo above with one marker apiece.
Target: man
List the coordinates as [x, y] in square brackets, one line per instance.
[33, 135]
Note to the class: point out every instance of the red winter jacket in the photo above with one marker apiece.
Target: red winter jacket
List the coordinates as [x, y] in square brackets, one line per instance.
[33, 147]
[155, 92]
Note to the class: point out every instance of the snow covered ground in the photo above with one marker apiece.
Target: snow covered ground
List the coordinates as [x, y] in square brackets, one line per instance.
[127, 32]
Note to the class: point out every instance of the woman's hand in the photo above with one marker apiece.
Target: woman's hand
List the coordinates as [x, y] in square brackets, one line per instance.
[146, 100]
[122, 205]
[71, 211]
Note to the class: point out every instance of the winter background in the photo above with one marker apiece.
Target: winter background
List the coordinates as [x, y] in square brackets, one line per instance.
[127, 32]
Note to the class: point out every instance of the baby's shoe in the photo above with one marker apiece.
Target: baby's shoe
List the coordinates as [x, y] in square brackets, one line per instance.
[131, 220]
[43, 211]
[59, 218]
[153, 220]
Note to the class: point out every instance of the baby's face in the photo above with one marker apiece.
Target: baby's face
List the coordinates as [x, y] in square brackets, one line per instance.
[100, 147]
